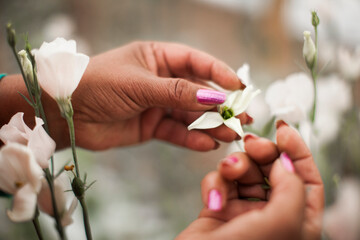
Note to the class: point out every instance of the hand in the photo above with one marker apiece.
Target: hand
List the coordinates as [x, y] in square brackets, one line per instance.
[295, 202]
[146, 90]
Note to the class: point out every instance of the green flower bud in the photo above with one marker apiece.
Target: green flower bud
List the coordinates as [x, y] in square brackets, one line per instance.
[314, 19]
[78, 187]
[11, 36]
[309, 50]
[27, 66]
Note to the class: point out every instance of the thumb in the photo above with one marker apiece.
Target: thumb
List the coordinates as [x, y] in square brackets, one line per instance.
[182, 94]
[286, 206]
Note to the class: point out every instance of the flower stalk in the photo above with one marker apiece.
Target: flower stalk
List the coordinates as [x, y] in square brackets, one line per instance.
[310, 53]
[37, 225]
[78, 185]
[34, 92]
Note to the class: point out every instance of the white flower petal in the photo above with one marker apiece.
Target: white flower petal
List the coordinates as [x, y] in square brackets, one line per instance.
[24, 204]
[242, 101]
[206, 121]
[42, 145]
[230, 98]
[15, 130]
[234, 124]
[18, 165]
[244, 74]
[60, 68]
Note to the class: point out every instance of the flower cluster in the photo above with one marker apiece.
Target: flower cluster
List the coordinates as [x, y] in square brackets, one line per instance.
[24, 159]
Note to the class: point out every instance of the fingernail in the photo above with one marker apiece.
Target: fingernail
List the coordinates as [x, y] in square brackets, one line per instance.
[249, 136]
[230, 160]
[249, 119]
[280, 123]
[242, 86]
[286, 162]
[217, 145]
[207, 96]
[214, 202]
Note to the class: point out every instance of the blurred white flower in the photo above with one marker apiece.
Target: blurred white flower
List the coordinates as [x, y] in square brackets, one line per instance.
[41, 144]
[60, 67]
[349, 64]
[291, 99]
[45, 203]
[334, 99]
[236, 103]
[26, 65]
[341, 220]
[309, 50]
[20, 175]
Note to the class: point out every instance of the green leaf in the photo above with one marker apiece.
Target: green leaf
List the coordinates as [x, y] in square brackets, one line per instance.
[27, 100]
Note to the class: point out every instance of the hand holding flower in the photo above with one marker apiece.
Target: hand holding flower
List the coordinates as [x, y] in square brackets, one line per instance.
[291, 209]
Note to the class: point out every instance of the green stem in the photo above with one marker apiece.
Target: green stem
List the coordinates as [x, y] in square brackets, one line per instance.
[37, 225]
[314, 77]
[59, 227]
[86, 218]
[70, 122]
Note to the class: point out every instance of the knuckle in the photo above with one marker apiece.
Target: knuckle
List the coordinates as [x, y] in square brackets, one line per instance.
[178, 88]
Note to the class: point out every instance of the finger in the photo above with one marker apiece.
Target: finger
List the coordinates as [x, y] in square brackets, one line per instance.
[232, 209]
[179, 93]
[238, 166]
[283, 215]
[183, 61]
[261, 150]
[214, 191]
[177, 133]
[289, 141]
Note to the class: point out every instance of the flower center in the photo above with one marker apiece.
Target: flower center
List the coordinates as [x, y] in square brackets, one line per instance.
[227, 113]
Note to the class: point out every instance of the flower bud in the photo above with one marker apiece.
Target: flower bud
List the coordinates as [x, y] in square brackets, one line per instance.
[11, 35]
[27, 66]
[309, 50]
[78, 187]
[314, 19]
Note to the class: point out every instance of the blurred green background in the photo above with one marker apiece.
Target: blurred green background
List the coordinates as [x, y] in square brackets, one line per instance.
[152, 191]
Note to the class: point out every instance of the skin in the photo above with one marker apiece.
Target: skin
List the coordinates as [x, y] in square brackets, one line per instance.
[132, 94]
[291, 210]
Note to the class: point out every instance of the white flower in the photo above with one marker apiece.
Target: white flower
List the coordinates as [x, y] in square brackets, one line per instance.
[20, 175]
[45, 203]
[26, 65]
[236, 103]
[309, 50]
[291, 99]
[60, 67]
[258, 109]
[37, 139]
[334, 99]
[341, 220]
[349, 64]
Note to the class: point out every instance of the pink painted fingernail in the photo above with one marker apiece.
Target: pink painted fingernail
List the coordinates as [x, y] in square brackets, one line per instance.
[286, 162]
[206, 96]
[231, 160]
[214, 202]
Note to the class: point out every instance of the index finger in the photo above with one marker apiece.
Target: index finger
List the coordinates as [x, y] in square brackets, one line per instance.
[183, 61]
